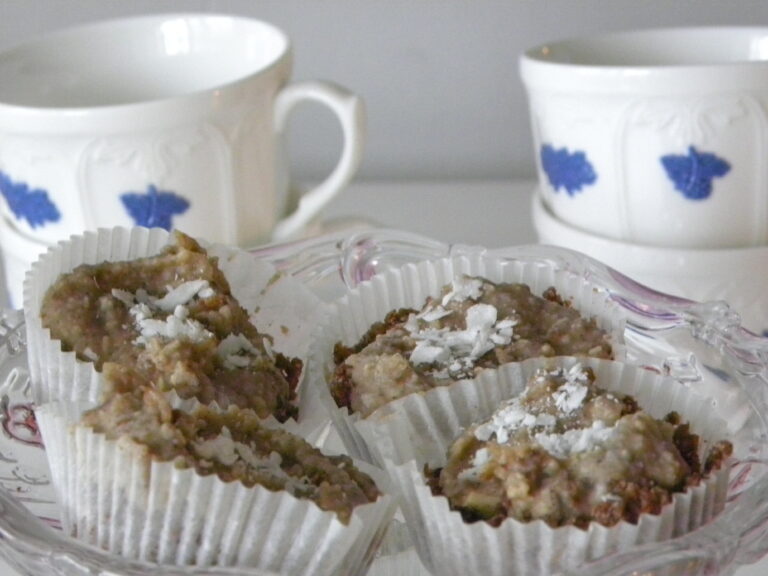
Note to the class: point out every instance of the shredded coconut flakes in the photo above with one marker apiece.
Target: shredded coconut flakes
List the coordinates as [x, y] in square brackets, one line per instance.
[173, 326]
[454, 352]
[569, 397]
[143, 308]
[510, 418]
[477, 465]
[463, 288]
[432, 313]
[182, 294]
[236, 351]
[228, 452]
[576, 440]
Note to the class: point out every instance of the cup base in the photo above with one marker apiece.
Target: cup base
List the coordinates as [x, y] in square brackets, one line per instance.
[736, 275]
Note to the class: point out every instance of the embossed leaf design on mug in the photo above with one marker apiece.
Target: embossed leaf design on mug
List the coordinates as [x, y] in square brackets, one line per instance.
[169, 121]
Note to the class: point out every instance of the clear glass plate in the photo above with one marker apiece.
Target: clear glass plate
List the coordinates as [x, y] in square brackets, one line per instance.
[701, 344]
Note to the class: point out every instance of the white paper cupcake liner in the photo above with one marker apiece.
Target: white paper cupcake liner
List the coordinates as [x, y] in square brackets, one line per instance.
[278, 305]
[114, 496]
[397, 556]
[419, 429]
[350, 317]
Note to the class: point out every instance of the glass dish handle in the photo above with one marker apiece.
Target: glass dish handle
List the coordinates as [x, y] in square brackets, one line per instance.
[334, 262]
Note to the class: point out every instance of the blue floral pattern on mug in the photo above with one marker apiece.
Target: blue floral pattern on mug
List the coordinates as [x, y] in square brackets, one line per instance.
[154, 208]
[30, 204]
[692, 174]
[570, 171]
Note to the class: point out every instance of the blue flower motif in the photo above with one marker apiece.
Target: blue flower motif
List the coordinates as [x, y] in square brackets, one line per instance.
[693, 174]
[566, 170]
[154, 208]
[33, 205]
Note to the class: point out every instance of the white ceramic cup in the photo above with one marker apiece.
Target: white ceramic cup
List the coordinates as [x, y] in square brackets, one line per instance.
[171, 121]
[656, 137]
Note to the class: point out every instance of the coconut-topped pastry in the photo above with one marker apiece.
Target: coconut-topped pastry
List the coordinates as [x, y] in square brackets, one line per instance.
[542, 466]
[235, 446]
[170, 321]
[473, 325]
[569, 453]
[206, 486]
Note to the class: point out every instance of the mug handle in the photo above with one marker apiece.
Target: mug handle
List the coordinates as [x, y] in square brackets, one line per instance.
[350, 111]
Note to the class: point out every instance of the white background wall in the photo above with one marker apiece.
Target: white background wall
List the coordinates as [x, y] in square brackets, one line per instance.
[439, 77]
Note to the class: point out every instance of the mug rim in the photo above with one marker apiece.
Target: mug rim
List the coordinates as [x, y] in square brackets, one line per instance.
[93, 28]
[570, 52]
[542, 67]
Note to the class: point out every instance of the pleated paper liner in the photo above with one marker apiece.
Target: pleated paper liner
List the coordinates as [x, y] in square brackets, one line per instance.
[278, 305]
[350, 317]
[418, 430]
[114, 496]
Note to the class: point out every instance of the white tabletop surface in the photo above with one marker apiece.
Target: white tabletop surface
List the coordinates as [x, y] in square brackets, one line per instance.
[492, 214]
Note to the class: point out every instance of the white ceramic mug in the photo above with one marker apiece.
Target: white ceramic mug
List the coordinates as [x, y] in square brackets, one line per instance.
[655, 137]
[170, 121]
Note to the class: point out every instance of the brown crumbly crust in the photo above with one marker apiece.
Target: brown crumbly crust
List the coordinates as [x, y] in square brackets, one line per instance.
[523, 480]
[145, 416]
[392, 319]
[341, 386]
[81, 311]
[545, 326]
[552, 295]
[717, 457]
[342, 383]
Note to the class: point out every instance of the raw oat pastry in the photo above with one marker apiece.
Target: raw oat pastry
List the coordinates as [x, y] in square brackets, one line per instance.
[475, 324]
[234, 445]
[208, 487]
[537, 469]
[170, 321]
[569, 453]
